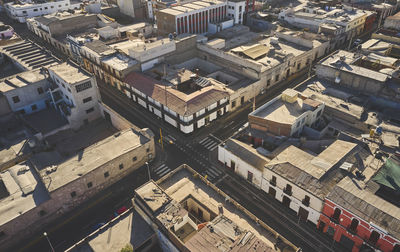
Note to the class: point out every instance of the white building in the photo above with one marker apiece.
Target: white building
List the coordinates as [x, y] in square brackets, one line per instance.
[296, 178]
[235, 9]
[26, 92]
[22, 10]
[75, 94]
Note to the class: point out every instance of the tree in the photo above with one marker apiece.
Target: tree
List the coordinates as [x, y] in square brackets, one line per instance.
[128, 248]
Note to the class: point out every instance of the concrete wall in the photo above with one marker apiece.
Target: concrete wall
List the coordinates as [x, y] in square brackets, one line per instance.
[72, 24]
[350, 80]
[79, 109]
[298, 194]
[241, 166]
[29, 96]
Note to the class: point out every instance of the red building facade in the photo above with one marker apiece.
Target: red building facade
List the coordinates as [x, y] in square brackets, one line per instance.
[353, 232]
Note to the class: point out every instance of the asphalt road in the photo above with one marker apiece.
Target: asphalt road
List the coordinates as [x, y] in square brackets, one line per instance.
[196, 150]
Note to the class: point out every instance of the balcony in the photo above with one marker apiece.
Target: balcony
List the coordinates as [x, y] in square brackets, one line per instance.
[272, 182]
[351, 230]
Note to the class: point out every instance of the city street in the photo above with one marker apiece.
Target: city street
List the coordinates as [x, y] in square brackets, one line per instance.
[197, 150]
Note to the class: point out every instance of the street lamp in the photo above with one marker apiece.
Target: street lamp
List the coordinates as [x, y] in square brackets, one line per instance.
[148, 170]
[48, 240]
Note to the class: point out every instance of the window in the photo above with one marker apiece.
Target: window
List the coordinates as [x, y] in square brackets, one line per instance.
[268, 82]
[89, 185]
[148, 150]
[319, 113]
[52, 7]
[374, 237]
[277, 77]
[354, 224]
[40, 90]
[45, 8]
[83, 86]
[306, 200]
[298, 66]
[121, 166]
[89, 110]
[134, 159]
[336, 214]
[106, 174]
[87, 99]
[42, 213]
[73, 194]
[288, 190]
[16, 99]
[59, 5]
[250, 176]
[396, 248]
[34, 107]
[273, 181]
[63, 85]
[35, 9]
[24, 12]
[69, 90]
[233, 104]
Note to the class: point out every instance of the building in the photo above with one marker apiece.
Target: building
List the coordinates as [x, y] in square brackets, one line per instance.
[346, 22]
[6, 31]
[25, 55]
[286, 114]
[74, 93]
[195, 17]
[26, 92]
[27, 9]
[392, 22]
[68, 32]
[361, 211]
[382, 47]
[370, 74]
[190, 214]
[188, 105]
[81, 164]
[300, 175]
[267, 60]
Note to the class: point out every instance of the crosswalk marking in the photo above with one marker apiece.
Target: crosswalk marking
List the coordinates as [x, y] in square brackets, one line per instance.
[210, 143]
[213, 148]
[201, 142]
[162, 170]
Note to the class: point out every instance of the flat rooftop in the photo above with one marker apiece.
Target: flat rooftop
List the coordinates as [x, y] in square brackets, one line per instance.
[345, 61]
[188, 7]
[269, 52]
[315, 165]
[119, 61]
[21, 80]
[22, 191]
[129, 229]
[180, 186]
[77, 153]
[70, 73]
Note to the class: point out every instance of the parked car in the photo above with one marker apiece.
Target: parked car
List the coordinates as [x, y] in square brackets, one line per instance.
[357, 42]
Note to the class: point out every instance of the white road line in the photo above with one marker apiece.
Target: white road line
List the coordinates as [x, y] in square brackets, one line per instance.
[162, 170]
[201, 142]
[213, 172]
[209, 144]
[160, 167]
[214, 147]
[163, 173]
[210, 175]
[209, 140]
[173, 138]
